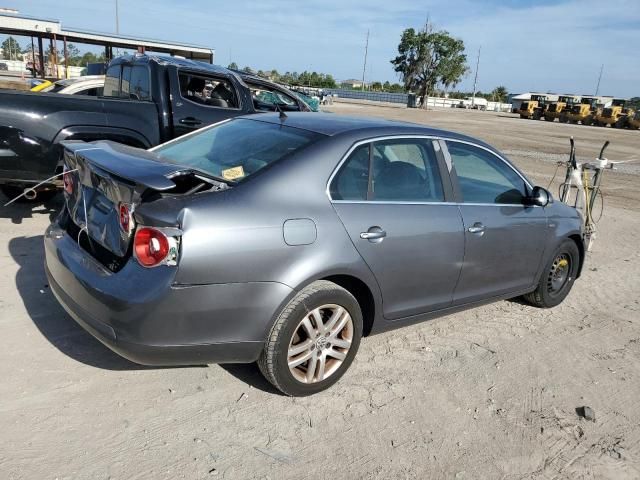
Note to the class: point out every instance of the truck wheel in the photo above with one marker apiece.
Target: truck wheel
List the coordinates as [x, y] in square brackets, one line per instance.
[313, 341]
[549, 119]
[563, 118]
[620, 123]
[557, 278]
[587, 120]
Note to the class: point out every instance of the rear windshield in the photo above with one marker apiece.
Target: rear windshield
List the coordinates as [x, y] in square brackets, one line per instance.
[236, 149]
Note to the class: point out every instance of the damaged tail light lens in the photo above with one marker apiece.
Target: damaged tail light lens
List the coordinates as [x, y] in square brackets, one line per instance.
[67, 181]
[152, 247]
[125, 218]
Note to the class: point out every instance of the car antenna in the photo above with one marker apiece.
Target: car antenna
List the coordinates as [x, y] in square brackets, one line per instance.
[282, 115]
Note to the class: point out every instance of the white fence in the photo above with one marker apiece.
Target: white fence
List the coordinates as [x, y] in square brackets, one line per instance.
[21, 67]
[442, 102]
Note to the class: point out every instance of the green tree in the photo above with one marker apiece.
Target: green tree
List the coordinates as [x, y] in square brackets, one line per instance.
[233, 66]
[634, 102]
[429, 58]
[11, 49]
[73, 54]
[376, 86]
[247, 70]
[89, 57]
[500, 94]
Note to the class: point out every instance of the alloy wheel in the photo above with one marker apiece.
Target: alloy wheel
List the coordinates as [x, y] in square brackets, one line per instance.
[320, 343]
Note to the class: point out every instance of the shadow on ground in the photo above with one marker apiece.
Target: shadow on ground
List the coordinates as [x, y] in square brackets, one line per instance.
[22, 208]
[47, 314]
[71, 339]
[250, 374]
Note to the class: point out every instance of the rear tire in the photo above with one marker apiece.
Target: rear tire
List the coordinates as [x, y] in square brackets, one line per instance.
[305, 352]
[557, 277]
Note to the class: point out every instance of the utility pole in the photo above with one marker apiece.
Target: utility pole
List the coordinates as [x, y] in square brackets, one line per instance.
[366, 50]
[599, 78]
[117, 20]
[475, 79]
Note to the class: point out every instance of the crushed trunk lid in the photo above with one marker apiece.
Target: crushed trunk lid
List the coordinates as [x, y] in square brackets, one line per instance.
[103, 176]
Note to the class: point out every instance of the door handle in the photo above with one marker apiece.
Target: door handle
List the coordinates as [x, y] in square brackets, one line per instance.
[190, 121]
[374, 234]
[476, 228]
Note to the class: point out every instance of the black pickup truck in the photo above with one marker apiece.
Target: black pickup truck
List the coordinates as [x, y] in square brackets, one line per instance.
[147, 100]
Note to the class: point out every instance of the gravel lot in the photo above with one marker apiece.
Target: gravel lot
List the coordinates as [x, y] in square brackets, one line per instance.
[488, 393]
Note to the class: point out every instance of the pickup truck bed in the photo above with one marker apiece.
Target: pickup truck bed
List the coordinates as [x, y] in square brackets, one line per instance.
[33, 124]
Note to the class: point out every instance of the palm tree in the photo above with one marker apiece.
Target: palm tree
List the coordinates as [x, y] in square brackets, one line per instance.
[500, 94]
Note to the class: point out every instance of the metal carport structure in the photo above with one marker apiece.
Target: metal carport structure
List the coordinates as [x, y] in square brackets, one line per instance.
[40, 29]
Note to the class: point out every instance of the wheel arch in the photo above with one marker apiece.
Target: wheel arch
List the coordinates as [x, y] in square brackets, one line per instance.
[363, 295]
[92, 133]
[577, 239]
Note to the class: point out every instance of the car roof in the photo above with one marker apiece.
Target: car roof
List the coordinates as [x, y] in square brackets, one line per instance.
[331, 124]
[168, 60]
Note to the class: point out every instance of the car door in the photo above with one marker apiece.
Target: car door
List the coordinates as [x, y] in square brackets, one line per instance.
[392, 200]
[200, 99]
[504, 237]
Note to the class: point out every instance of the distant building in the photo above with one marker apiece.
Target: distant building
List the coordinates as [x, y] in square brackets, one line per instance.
[353, 84]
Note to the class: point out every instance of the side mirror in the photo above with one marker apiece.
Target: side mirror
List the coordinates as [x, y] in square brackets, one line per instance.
[539, 196]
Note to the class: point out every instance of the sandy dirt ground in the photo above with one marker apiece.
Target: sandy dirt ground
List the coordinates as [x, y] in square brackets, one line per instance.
[489, 393]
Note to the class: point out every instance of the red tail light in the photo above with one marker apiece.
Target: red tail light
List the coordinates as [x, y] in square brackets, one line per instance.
[67, 180]
[151, 246]
[124, 216]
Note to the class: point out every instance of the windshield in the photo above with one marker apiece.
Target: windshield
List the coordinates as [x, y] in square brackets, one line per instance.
[236, 149]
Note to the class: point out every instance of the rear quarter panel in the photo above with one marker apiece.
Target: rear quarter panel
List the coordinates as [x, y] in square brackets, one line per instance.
[237, 235]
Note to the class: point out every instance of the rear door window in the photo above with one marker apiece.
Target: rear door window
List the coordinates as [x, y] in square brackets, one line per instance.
[126, 81]
[139, 84]
[112, 82]
[351, 181]
[403, 170]
[406, 170]
[208, 90]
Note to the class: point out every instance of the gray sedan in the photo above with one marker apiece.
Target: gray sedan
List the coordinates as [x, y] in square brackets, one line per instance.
[284, 239]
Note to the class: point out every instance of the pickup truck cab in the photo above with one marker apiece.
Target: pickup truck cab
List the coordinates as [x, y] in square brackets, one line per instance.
[147, 100]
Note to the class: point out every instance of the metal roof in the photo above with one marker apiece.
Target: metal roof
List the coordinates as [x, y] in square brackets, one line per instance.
[41, 27]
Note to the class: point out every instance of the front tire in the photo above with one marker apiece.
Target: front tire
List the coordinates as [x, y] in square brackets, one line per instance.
[557, 278]
[313, 341]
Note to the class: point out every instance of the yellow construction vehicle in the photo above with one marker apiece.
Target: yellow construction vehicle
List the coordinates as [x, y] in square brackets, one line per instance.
[633, 122]
[615, 116]
[560, 109]
[533, 108]
[585, 111]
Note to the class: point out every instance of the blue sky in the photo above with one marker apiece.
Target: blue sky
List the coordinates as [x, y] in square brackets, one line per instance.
[526, 45]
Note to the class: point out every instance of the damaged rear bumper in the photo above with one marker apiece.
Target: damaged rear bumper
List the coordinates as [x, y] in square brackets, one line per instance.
[143, 316]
